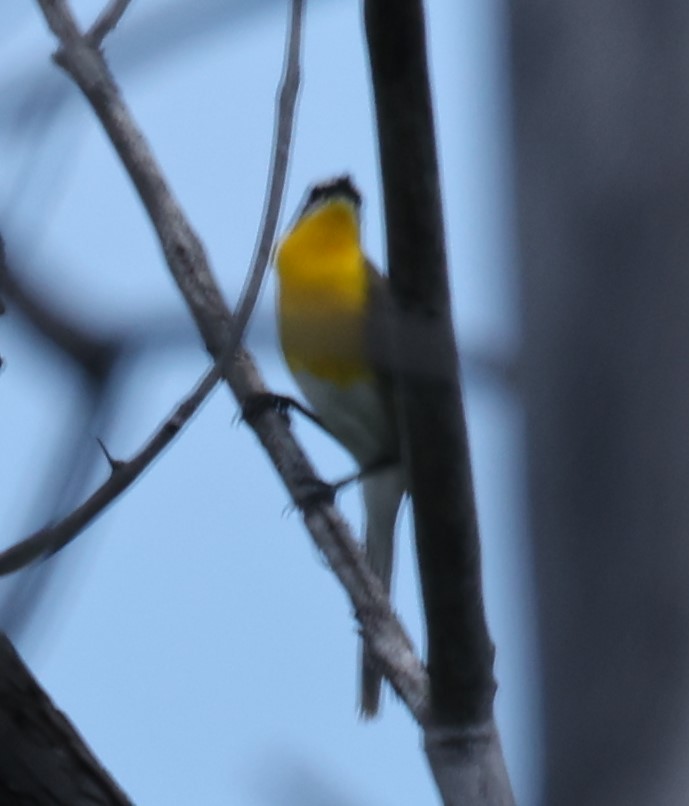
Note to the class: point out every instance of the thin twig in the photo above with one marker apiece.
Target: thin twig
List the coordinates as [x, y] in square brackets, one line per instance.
[52, 538]
[189, 266]
[282, 139]
[106, 21]
[49, 540]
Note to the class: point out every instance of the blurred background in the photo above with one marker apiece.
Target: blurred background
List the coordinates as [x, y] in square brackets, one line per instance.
[193, 634]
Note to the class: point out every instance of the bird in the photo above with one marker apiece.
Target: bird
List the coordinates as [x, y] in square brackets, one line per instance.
[332, 305]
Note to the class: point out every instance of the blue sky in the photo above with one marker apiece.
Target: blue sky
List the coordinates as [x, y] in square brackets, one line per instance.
[193, 634]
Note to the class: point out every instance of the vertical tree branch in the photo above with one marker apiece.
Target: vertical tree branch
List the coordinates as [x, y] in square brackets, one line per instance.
[461, 741]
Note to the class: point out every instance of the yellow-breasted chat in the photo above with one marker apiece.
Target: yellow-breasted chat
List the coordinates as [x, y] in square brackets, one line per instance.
[330, 304]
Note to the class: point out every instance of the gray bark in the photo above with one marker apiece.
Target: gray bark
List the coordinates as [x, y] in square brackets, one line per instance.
[602, 145]
[461, 740]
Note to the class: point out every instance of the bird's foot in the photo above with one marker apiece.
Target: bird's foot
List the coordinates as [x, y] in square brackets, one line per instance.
[256, 404]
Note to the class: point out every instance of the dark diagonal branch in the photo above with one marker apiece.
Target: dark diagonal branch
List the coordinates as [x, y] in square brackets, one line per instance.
[52, 538]
[461, 740]
[62, 769]
[189, 266]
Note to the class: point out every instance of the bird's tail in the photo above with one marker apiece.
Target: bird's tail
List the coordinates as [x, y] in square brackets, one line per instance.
[383, 493]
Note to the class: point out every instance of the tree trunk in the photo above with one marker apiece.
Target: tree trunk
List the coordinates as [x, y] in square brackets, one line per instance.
[602, 146]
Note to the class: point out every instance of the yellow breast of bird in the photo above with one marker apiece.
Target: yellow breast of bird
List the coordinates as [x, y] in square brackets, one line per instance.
[322, 298]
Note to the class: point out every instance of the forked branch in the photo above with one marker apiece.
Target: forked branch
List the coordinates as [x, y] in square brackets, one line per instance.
[190, 268]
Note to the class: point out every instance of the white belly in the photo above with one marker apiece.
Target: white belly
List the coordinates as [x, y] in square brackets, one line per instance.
[356, 415]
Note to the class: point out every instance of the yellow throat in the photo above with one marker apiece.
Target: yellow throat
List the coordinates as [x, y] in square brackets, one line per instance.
[323, 294]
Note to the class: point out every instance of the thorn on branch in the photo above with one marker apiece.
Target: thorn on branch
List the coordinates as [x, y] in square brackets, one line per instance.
[115, 464]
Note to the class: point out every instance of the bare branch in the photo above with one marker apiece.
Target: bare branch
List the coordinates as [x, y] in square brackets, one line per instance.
[107, 21]
[189, 266]
[460, 650]
[181, 246]
[461, 739]
[284, 125]
[52, 538]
